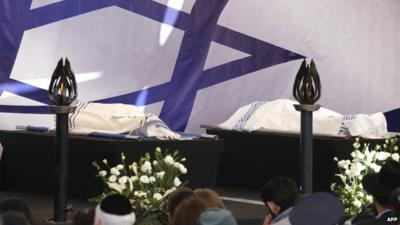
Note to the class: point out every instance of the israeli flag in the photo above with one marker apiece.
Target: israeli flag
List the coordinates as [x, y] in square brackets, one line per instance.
[195, 62]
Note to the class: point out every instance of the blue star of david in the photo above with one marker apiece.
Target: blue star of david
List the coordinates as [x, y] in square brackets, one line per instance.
[179, 93]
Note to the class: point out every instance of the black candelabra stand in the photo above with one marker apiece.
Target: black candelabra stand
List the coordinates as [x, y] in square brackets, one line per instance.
[62, 92]
[307, 90]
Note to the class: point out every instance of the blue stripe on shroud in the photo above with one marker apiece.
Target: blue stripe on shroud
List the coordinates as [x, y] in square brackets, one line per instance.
[240, 124]
[343, 130]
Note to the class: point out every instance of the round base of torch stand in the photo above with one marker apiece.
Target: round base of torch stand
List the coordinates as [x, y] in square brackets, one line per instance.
[306, 145]
[62, 109]
[61, 162]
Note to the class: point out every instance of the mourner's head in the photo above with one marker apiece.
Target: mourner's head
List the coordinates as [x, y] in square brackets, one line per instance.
[176, 198]
[395, 202]
[114, 210]
[17, 205]
[210, 197]
[380, 185]
[279, 194]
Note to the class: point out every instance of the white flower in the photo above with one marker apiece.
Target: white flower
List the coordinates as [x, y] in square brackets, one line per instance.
[356, 145]
[152, 179]
[123, 180]
[115, 171]
[343, 164]
[396, 148]
[155, 163]
[369, 155]
[160, 174]
[120, 167]
[140, 194]
[123, 186]
[146, 167]
[103, 173]
[395, 156]
[369, 198]
[134, 167]
[183, 169]
[157, 196]
[357, 203]
[158, 149]
[169, 191]
[342, 177]
[360, 167]
[169, 160]
[375, 167]
[180, 167]
[133, 179]
[144, 179]
[333, 186]
[360, 155]
[382, 155]
[116, 187]
[112, 178]
[354, 171]
[105, 161]
[177, 182]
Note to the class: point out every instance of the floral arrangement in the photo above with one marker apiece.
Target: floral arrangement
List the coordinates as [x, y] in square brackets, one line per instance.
[363, 161]
[146, 183]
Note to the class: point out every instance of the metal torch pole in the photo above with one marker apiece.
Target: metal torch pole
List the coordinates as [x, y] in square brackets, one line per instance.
[306, 150]
[61, 161]
[306, 146]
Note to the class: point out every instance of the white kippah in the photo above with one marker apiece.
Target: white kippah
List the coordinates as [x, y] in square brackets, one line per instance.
[112, 219]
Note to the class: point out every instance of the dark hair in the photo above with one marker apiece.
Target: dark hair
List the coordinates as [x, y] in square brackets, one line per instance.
[84, 217]
[394, 201]
[116, 204]
[188, 211]
[14, 218]
[17, 205]
[210, 197]
[382, 200]
[283, 191]
[177, 197]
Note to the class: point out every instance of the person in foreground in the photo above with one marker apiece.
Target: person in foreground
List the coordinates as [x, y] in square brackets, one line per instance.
[176, 198]
[316, 209]
[114, 210]
[13, 218]
[380, 185]
[395, 204]
[15, 204]
[203, 207]
[279, 195]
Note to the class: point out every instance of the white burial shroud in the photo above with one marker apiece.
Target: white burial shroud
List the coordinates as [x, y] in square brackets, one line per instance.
[280, 116]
